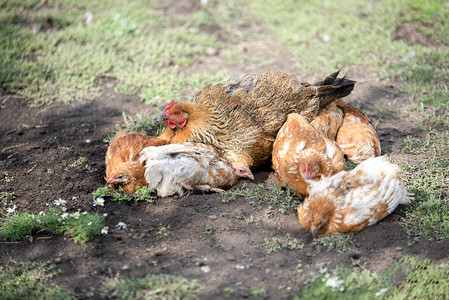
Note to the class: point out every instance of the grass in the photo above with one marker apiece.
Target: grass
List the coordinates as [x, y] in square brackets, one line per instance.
[276, 244]
[80, 227]
[338, 242]
[428, 215]
[48, 50]
[137, 124]
[30, 281]
[423, 280]
[151, 287]
[142, 193]
[264, 194]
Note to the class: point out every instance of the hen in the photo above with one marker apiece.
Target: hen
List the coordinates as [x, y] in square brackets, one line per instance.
[123, 168]
[173, 168]
[301, 153]
[242, 116]
[351, 201]
[356, 137]
[329, 120]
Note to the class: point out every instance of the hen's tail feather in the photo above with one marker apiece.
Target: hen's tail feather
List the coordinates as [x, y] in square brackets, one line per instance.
[333, 88]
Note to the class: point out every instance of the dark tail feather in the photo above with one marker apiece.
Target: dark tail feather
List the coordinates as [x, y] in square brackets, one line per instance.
[333, 88]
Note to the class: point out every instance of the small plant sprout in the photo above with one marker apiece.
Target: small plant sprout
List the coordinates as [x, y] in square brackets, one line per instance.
[99, 202]
[11, 210]
[105, 230]
[207, 229]
[162, 231]
[121, 225]
[60, 201]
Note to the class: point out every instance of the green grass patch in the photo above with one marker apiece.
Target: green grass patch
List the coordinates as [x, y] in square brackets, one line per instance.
[428, 215]
[142, 193]
[151, 287]
[338, 241]
[264, 194]
[78, 226]
[276, 244]
[30, 281]
[423, 280]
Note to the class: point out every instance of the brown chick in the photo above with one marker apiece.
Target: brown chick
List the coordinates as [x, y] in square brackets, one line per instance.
[329, 120]
[242, 116]
[301, 153]
[351, 201]
[356, 137]
[174, 168]
[123, 168]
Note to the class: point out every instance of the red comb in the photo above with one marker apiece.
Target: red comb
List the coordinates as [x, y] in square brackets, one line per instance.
[169, 106]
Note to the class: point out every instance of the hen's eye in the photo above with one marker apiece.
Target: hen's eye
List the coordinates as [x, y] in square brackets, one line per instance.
[176, 112]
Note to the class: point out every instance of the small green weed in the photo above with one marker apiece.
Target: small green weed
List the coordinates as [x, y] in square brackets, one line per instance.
[338, 241]
[162, 231]
[276, 244]
[151, 287]
[207, 229]
[142, 193]
[6, 177]
[259, 292]
[30, 281]
[80, 161]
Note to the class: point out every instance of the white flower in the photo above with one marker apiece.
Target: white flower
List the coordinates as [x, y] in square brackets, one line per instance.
[64, 215]
[41, 213]
[84, 213]
[381, 292]
[90, 223]
[11, 209]
[121, 225]
[99, 201]
[105, 230]
[326, 38]
[333, 282]
[60, 201]
[76, 215]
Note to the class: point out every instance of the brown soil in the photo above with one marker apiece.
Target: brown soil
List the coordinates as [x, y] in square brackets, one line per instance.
[39, 143]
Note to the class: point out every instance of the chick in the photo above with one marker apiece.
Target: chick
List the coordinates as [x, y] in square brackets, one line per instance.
[123, 168]
[301, 152]
[351, 201]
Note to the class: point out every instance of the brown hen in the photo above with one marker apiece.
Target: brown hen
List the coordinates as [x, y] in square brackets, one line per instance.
[123, 168]
[242, 116]
[356, 137]
[302, 153]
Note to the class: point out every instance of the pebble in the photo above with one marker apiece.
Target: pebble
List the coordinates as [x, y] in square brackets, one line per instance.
[121, 252]
[211, 51]
[230, 257]
[205, 269]
[88, 141]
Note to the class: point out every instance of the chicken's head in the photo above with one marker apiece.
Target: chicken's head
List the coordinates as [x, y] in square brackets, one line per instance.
[242, 171]
[120, 179]
[319, 212]
[310, 169]
[174, 116]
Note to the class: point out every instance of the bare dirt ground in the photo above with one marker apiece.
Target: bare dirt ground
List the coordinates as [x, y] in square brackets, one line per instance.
[40, 142]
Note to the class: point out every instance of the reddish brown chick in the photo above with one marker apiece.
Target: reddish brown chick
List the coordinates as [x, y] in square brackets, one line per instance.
[356, 137]
[302, 153]
[123, 168]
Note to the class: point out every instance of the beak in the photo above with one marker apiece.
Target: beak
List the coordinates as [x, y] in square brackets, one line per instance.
[162, 118]
[250, 175]
[314, 231]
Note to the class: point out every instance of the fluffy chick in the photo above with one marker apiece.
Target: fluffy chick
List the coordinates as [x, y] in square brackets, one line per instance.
[174, 168]
[351, 201]
[301, 152]
[123, 168]
[356, 137]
